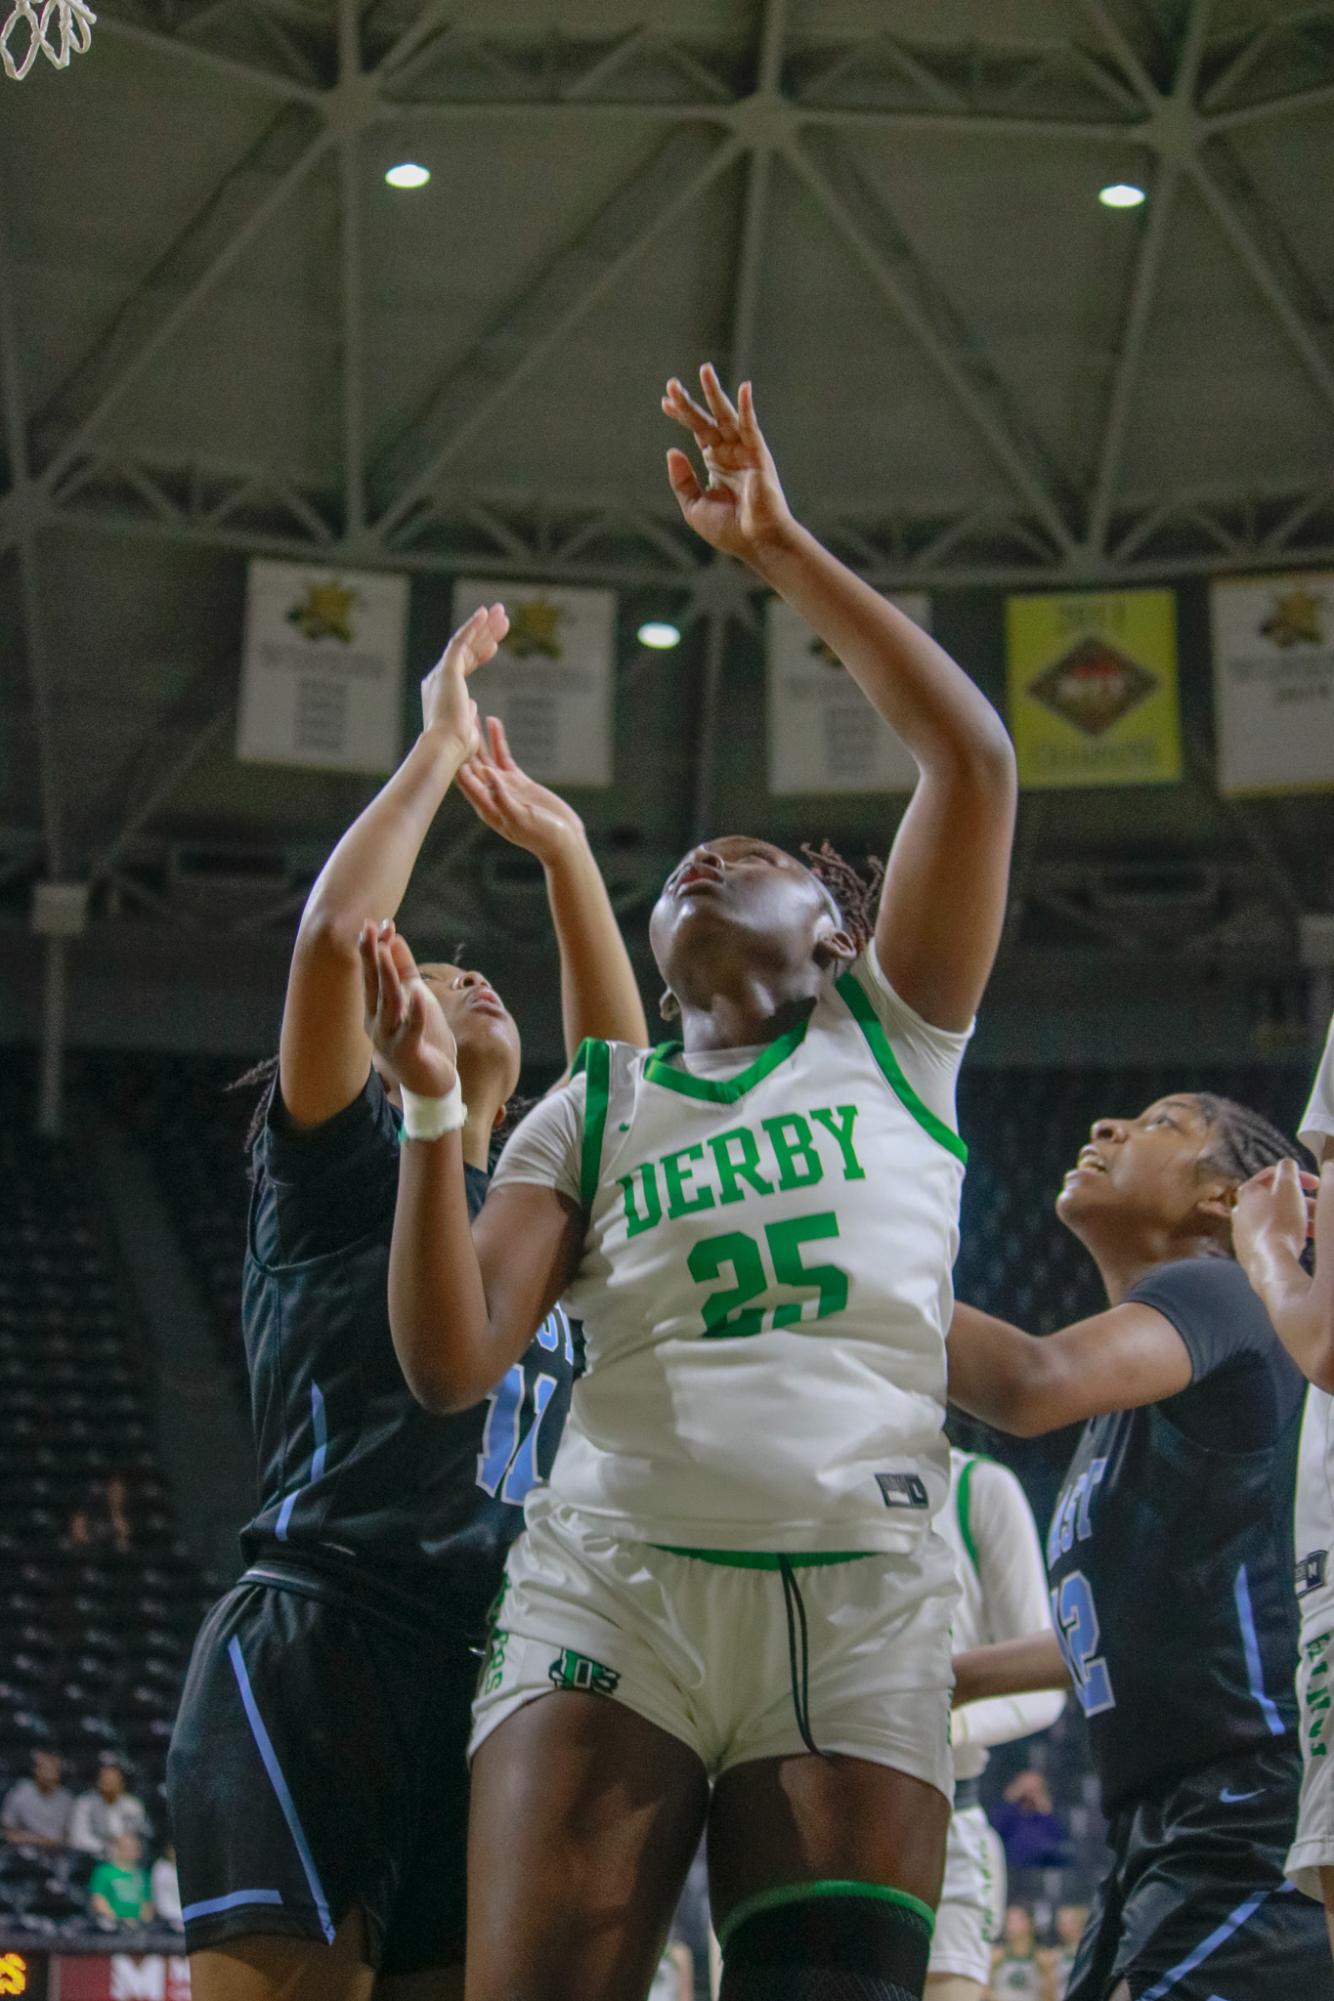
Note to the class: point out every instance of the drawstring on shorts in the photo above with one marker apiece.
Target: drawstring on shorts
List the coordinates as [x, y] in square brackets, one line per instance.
[798, 1656]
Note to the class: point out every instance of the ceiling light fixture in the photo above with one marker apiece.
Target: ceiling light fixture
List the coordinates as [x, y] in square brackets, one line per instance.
[1121, 194]
[408, 174]
[659, 634]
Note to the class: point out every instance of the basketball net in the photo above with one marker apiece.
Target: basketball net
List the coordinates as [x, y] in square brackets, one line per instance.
[58, 29]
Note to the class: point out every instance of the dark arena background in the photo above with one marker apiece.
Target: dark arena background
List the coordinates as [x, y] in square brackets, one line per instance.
[323, 322]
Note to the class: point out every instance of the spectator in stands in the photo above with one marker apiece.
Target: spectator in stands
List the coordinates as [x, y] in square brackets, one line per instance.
[1060, 1958]
[1017, 1972]
[102, 1520]
[1026, 1821]
[119, 1893]
[36, 1812]
[109, 1810]
[167, 1890]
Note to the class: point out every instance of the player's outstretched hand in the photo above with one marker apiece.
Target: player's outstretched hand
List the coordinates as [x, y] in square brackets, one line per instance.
[404, 1020]
[742, 510]
[447, 708]
[1275, 1210]
[514, 805]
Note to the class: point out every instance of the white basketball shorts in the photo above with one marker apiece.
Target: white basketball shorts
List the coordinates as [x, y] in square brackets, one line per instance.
[703, 1649]
[1313, 1849]
[972, 1899]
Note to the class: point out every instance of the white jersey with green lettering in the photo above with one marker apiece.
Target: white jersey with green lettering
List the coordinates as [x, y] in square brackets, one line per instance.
[765, 1285]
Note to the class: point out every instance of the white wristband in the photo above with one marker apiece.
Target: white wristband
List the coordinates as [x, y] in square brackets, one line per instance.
[431, 1118]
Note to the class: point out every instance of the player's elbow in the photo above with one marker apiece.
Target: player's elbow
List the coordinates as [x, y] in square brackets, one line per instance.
[439, 1380]
[328, 934]
[441, 1389]
[983, 756]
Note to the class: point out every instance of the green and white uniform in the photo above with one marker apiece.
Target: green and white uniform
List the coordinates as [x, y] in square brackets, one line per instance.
[765, 1293]
[990, 1529]
[1313, 1849]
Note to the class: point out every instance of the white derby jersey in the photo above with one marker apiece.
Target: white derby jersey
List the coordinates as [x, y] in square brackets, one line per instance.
[1314, 1518]
[765, 1291]
[990, 1529]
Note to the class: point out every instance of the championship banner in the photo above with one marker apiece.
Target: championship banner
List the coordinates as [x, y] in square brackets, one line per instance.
[824, 735]
[551, 682]
[1093, 688]
[322, 670]
[1274, 682]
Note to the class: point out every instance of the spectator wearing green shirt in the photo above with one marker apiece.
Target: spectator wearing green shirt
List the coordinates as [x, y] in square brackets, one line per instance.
[119, 1892]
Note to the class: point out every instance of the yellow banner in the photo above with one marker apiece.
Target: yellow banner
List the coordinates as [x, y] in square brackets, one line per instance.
[1093, 688]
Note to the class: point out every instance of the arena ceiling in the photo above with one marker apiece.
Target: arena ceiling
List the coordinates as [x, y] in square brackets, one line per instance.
[222, 333]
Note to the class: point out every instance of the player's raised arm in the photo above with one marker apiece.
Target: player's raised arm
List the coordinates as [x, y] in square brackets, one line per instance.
[599, 996]
[1027, 1384]
[1270, 1226]
[943, 901]
[460, 1313]
[324, 1054]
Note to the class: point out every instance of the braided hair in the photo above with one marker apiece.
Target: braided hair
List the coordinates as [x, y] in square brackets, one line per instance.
[263, 1073]
[260, 1075]
[855, 895]
[1241, 1142]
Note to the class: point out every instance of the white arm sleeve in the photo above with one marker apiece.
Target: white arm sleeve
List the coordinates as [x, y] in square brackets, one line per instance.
[1014, 1591]
[81, 1834]
[928, 1056]
[544, 1148]
[1317, 1127]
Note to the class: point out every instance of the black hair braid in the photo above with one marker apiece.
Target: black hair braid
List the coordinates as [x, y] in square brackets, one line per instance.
[856, 895]
[1241, 1141]
[261, 1073]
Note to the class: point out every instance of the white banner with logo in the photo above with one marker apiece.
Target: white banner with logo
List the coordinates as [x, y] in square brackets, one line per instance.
[824, 735]
[1274, 682]
[551, 682]
[322, 669]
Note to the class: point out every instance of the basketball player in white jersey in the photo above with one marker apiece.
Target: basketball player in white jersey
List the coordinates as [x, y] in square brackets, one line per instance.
[989, 1526]
[732, 1576]
[1269, 1229]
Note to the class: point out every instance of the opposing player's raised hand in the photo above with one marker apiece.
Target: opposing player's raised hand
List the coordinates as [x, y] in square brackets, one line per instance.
[511, 803]
[1275, 1210]
[404, 1020]
[447, 707]
[742, 510]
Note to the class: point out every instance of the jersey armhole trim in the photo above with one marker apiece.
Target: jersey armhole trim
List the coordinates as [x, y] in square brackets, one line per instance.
[963, 1503]
[595, 1058]
[850, 990]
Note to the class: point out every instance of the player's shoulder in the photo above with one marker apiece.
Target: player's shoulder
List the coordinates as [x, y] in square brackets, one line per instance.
[1212, 1284]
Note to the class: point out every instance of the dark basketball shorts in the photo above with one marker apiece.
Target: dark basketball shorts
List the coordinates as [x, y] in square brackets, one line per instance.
[319, 1763]
[1196, 1906]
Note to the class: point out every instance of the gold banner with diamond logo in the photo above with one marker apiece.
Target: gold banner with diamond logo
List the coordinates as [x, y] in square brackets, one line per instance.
[1093, 688]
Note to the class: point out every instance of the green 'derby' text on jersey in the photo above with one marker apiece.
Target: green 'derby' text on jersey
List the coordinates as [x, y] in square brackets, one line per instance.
[765, 1286]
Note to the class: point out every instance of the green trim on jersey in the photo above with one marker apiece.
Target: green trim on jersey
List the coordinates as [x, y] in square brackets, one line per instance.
[595, 1057]
[962, 1500]
[722, 1090]
[762, 1559]
[806, 1893]
[851, 991]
